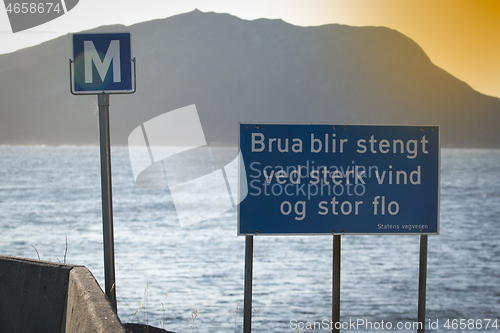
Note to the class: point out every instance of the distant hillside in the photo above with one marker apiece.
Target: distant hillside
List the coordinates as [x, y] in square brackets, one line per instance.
[237, 70]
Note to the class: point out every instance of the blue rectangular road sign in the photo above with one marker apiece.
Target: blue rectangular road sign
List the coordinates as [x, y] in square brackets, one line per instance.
[336, 179]
[102, 62]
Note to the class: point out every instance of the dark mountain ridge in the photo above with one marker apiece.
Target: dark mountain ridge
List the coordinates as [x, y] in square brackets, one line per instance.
[257, 71]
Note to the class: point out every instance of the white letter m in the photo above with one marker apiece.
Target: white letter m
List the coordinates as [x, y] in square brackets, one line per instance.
[91, 55]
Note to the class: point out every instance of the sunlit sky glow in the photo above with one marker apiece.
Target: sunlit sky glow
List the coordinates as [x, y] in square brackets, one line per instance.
[460, 36]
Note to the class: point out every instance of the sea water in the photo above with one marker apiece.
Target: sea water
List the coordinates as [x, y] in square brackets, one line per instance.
[191, 279]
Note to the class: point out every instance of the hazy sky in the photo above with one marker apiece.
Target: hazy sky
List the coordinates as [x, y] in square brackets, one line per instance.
[460, 36]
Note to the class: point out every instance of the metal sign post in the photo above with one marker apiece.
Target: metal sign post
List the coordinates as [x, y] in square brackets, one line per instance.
[422, 283]
[336, 283]
[107, 201]
[247, 302]
[103, 65]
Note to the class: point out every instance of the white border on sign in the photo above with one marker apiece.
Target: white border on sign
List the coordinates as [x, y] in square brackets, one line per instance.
[342, 233]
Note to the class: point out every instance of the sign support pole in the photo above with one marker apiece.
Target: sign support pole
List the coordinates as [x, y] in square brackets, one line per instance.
[422, 283]
[107, 203]
[336, 283]
[124, 82]
[247, 302]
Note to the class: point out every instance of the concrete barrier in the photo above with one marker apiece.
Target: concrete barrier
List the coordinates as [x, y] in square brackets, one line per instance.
[40, 296]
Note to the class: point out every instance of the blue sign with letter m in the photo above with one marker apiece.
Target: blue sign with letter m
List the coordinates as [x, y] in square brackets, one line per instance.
[102, 63]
